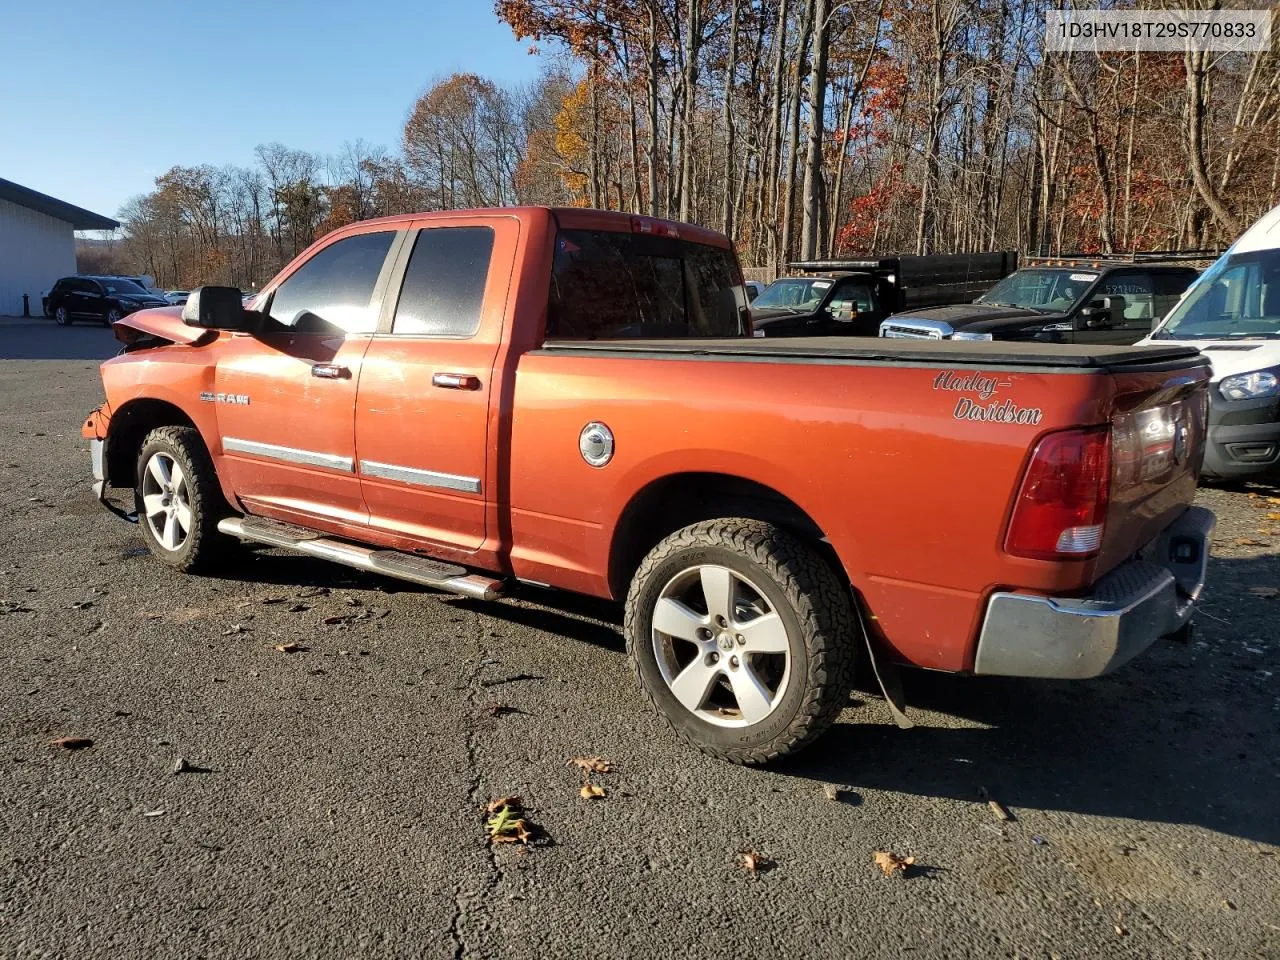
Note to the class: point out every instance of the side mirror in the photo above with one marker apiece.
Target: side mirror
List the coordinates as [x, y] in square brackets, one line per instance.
[1097, 313]
[215, 308]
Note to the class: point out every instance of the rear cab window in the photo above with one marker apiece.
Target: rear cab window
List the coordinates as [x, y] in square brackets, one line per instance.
[443, 289]
[609, 286]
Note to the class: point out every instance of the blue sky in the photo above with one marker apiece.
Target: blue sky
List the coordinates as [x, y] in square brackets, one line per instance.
[97, 99]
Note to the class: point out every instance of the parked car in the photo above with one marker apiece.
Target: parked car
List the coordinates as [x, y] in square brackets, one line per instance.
[1232, 314]
[599, 422]
[177, 297]
[104, 299]
[1059, 300]
[851, 297]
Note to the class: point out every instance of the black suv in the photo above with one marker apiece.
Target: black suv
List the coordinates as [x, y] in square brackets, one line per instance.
[105, 299]
[1058, 301]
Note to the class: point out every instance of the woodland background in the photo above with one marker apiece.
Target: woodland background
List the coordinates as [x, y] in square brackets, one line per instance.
[801, 128]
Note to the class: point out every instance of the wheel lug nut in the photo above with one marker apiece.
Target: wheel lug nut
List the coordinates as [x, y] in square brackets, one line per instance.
[733, 662]
[714, 658]
[720, 621]
[742, 641]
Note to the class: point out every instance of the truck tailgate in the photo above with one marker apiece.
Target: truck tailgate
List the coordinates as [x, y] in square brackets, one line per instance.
[1158, 425]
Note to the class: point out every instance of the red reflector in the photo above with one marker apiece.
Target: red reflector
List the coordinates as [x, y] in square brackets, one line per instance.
[1062, 506]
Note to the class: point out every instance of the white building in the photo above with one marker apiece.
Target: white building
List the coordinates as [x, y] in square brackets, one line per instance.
[37, 243]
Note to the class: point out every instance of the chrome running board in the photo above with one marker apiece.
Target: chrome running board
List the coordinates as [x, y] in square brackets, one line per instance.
[390, 563]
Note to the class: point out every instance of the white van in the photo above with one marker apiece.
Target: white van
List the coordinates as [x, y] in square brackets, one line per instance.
[1232, 313]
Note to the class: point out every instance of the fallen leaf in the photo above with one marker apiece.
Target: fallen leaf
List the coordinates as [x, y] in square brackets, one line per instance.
[999, 810]
[153, 813]
[331, 621]
[316, 592]
[591, 791]
[1121, 931]
[299, 608]
[495, 805]
[500, 709]
[831, 791]
[753, 862]
[290, 647]
[1266, 592]
[1228, 905]
[516, 831]
[592, 764]
[234, 629]
[82, 605]
[268, 601]
[1247, 542]
[890, 862]
[1274, 517]
[73, 743]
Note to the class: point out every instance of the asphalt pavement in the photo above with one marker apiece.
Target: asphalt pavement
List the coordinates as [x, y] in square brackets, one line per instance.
[336, 806]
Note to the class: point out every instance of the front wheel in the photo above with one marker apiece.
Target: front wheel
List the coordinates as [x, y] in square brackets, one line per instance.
[113, 315]
[743, 638]
[61, 317]
[179, 500]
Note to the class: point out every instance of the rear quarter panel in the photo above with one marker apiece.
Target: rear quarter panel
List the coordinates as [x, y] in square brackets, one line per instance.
[913, 496]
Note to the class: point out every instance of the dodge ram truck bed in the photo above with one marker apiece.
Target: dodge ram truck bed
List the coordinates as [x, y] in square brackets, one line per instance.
[573, 399]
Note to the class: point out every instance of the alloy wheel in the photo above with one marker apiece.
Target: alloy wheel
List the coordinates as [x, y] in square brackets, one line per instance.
[721, 647]
[166, 501]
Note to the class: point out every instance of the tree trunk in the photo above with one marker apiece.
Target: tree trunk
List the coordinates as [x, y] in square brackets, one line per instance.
[793, 134]
[1196, 63]
[692, 42]
[811, 226]
[653, 111]
[731, 65]
[769, 186]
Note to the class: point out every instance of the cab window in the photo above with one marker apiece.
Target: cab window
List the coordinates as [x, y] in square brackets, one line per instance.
[444, 283]
[331, 292]
[851, 298]
[1135, 294]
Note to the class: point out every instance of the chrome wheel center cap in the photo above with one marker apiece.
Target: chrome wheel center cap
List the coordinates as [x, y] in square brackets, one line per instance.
[724, 642]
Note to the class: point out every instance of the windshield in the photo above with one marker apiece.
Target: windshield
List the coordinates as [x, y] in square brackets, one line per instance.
[793, 293]
[125, 287]
[1040, 289]
[1237, 297]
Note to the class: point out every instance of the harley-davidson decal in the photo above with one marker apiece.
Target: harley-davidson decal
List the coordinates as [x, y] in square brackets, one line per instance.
[987, 407]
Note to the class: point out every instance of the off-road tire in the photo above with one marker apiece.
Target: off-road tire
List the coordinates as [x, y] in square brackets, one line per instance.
[807, 593]
[204, 546]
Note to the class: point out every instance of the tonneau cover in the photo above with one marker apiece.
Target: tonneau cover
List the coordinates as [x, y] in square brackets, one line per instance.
[885, 350]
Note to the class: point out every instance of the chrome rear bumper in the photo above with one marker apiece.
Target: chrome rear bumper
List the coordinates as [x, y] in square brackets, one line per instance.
[1130, 608]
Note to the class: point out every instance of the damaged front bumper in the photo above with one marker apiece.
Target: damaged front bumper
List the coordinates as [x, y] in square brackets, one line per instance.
[1073, 638]
[95, 429]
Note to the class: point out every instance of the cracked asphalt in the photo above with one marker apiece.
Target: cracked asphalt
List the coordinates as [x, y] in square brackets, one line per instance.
[340, 814]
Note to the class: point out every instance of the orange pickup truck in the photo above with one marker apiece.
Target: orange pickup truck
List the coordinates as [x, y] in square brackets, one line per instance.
[573, 399]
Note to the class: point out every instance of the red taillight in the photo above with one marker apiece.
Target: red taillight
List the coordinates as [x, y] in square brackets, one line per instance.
[1062, 506]
[657, 228]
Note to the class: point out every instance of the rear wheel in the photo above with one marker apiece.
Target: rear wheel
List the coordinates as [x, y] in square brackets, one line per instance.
[179, 501]
[61, 317]
[112, 316]
[742, 637]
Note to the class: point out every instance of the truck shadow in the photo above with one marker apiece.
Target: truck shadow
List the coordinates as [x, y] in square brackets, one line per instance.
[1187, 734]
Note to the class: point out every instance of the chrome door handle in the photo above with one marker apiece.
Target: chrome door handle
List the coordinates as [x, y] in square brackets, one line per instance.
[330, 371]
[455, 381]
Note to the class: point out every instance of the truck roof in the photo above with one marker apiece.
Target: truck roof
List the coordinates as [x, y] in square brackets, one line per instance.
[571, 218]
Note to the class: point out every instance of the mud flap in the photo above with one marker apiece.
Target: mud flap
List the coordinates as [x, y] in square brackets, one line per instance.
[888, 676]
